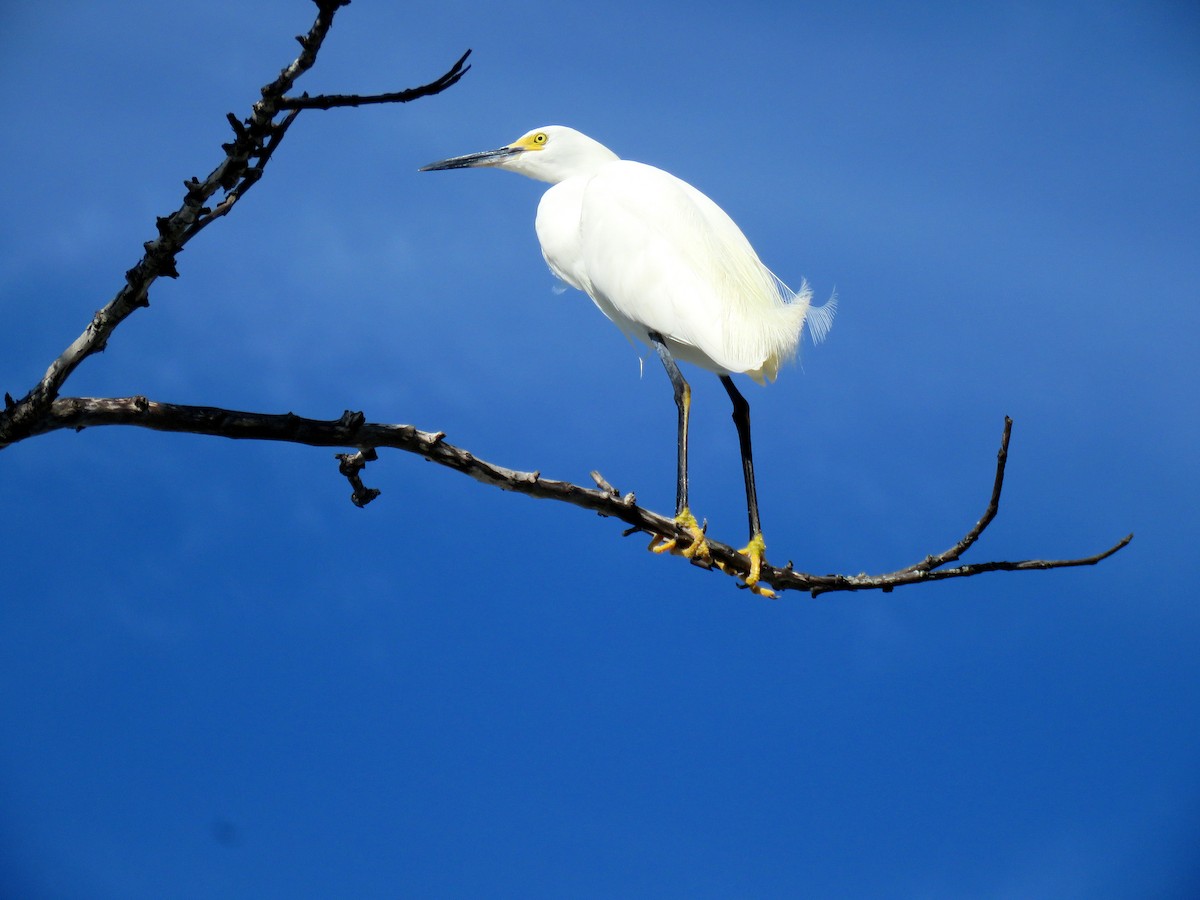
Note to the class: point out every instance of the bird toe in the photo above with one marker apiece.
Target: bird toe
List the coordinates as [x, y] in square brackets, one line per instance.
[696, 550]
[755, 551]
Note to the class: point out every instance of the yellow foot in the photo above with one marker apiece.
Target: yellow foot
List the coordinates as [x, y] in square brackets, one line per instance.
[697, 549]
[756, 551]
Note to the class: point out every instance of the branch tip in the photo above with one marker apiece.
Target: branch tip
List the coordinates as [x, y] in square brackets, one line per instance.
[333, 101]
[603, 484]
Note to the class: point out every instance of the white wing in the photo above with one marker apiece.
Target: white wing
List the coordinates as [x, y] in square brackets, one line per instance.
[655, 254]
[667, 258]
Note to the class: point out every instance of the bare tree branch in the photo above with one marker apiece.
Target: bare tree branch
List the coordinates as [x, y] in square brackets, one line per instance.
[256, 139]
[352, 430]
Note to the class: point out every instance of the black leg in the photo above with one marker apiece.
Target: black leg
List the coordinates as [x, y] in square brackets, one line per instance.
[741, 419]
[683, 402]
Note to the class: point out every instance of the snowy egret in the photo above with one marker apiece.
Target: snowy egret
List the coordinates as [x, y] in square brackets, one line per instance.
[669, 268]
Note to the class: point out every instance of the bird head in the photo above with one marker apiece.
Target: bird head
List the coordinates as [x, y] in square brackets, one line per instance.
[551, 153]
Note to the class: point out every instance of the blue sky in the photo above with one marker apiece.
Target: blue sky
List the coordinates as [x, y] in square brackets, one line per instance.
[222, 679]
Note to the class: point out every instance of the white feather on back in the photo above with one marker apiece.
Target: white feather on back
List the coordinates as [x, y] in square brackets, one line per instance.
[657, 255]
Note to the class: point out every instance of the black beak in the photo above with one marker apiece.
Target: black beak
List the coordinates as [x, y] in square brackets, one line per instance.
[471, 160]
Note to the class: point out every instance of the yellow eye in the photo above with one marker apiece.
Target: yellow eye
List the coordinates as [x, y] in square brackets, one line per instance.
[540, 138]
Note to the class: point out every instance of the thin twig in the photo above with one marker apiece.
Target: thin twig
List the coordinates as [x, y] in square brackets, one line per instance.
[333, 101]
[940, 559]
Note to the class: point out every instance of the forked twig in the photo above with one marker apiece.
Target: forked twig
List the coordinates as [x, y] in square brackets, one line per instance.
[255, 140]
[352, 430]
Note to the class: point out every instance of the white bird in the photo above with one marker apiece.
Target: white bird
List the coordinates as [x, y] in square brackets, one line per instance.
[669, 268]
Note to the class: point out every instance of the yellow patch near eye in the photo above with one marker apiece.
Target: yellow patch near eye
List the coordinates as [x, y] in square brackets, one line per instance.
[534, 141]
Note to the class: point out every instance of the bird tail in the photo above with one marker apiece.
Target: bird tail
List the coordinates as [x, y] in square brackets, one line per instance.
[820, 318]
[795, 309]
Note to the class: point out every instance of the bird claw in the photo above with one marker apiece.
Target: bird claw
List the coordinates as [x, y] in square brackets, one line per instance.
[697, 550]
[755, 551]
